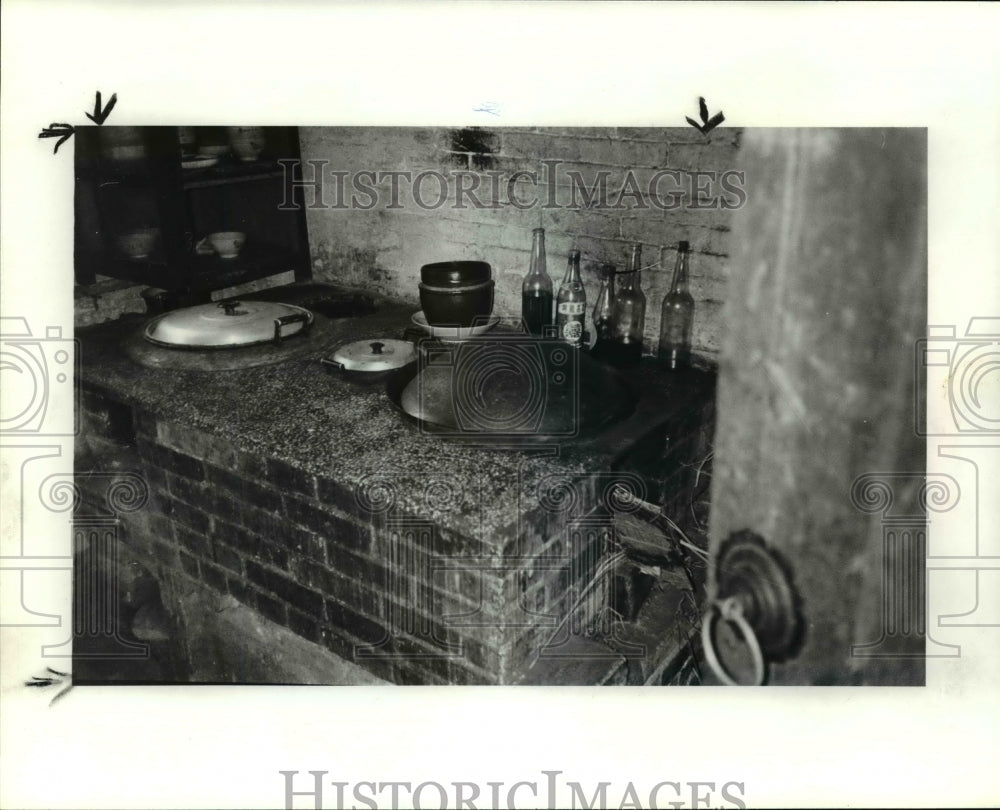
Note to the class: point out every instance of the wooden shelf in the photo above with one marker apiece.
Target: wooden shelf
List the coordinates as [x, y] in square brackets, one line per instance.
[226, 173]
[255, 261]
[117, 196]
[201, 272]
[149, 271]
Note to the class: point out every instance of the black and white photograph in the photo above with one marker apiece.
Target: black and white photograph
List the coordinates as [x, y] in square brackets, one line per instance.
[500, 405]
[563, 401]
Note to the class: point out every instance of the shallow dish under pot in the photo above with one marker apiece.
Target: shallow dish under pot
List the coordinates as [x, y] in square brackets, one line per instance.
[456, 294]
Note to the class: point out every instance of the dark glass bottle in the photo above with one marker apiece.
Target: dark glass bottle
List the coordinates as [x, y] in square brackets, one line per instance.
[677, 316]
[536, 291]
[604, 309]
[571, 303]
[630, 312]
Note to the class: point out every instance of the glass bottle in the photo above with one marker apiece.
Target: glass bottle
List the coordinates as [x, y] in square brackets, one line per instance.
[630, 312]
[604, 309]
[677, 316]
[571, 303]
[536, 291]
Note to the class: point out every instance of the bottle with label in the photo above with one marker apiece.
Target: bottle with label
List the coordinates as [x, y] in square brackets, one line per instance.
[677, 316]
[630, 312]
[536, 291]
[571, 303]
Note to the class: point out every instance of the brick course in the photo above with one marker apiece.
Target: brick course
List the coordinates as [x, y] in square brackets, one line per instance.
[303, 554]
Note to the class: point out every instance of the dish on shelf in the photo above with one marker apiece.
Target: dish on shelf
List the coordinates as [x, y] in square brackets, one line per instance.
[138, 244]
[126, 151]
[227, 244]
[199, 161]
[453, 333]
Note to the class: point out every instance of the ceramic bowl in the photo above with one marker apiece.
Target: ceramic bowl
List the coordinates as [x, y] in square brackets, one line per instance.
[138, 244]
[247, 142]
[227, 244]
[457, 306]
[133, 151]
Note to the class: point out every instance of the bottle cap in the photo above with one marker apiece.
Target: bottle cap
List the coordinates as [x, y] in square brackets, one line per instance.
[683, 246]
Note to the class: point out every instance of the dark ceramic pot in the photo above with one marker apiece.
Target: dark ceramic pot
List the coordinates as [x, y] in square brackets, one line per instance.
[455, 274]
[461, 306]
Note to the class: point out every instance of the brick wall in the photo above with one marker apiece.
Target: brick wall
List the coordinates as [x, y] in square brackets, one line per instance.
[383, 248]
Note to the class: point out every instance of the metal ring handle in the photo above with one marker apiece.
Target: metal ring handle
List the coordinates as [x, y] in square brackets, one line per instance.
[285, 320]
[731, 610]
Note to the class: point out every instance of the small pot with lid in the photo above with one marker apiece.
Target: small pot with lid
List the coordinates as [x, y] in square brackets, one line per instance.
[371, 360]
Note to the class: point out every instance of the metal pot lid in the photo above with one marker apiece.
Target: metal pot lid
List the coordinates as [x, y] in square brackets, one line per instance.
[383, 354]
[227, 324]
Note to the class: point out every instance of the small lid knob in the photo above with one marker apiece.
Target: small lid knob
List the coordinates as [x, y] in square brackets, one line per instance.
[377, 347]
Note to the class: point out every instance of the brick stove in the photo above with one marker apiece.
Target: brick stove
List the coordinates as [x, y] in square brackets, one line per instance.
[457, 572]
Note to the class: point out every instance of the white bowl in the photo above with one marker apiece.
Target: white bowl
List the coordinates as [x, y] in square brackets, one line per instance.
[227, 244]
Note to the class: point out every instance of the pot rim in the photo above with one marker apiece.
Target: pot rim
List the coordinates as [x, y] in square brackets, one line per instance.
[479, 271]
[456, 290]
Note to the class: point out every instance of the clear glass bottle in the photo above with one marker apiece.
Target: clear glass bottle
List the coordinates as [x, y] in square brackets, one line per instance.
[571, 303]
[536, 290]
[604, 309]
[630, 311]
[677, 316]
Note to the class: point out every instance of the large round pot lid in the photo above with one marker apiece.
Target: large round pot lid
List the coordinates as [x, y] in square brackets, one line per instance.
[383, 354]
[227, 325]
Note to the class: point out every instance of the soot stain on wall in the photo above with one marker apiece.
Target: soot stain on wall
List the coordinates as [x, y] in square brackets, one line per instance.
[480, 143]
